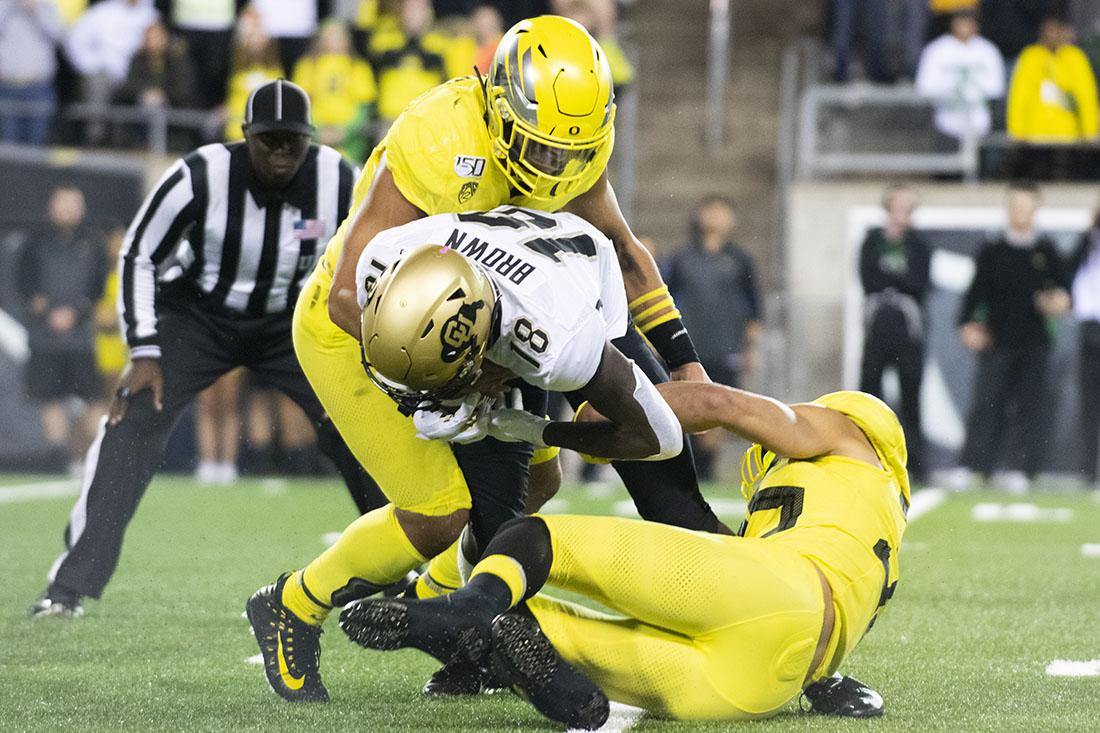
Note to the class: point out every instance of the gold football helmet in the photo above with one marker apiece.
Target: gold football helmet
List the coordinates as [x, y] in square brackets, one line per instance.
[425, 326]
[549, 105]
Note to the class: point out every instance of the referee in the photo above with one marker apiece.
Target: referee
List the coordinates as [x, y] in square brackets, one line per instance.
[210, 271]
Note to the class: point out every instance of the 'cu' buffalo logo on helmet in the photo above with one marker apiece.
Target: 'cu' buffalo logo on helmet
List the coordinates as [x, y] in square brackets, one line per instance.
[457, 334]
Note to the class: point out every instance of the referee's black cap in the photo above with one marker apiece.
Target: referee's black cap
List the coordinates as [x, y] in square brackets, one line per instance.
[278, 105]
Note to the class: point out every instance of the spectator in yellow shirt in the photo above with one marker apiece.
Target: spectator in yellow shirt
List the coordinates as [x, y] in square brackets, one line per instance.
[341, 87]
[412, 58]
[1053, 93]
[253, 61]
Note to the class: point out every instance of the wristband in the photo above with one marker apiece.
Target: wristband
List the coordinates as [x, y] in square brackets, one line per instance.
[672, 342]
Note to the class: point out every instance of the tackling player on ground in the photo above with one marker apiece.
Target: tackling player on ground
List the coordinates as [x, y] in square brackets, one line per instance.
[711, 627]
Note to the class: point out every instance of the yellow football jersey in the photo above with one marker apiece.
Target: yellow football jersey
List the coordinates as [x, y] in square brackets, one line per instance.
[847, 516]
[440, 154]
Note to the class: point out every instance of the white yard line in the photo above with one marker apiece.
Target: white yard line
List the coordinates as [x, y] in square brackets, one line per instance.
[1067, 668]
[925, 501]
[39, 490]
[1090, 549]
[622, 718]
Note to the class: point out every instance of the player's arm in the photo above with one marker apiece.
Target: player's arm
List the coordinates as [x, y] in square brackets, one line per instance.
[639, 424]
[802, 430]
[651, 306]
[168, 211]
[384, 207]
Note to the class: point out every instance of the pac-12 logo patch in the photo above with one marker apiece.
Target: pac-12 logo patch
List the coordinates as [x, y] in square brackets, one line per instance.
[469, 188]
[469, 166]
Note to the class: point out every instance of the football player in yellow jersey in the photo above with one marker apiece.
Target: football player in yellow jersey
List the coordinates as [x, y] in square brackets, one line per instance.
[706, 626]
[537, 133]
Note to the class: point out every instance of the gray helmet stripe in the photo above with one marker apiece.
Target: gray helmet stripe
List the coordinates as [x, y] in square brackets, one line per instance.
[279, 99]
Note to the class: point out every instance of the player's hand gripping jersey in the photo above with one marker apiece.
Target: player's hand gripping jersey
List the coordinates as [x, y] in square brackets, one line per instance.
[560, 290]
[845, 515]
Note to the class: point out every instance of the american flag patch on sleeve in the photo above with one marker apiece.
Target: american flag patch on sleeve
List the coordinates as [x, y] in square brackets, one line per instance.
[309, 228]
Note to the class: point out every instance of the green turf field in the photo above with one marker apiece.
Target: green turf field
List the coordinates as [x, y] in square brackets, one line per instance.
[981, 610]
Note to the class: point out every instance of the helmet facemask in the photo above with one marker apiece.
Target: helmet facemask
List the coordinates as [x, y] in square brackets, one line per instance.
[550, 116]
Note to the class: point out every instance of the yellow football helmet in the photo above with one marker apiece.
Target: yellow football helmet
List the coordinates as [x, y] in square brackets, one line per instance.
[549, 105]
[425, 326]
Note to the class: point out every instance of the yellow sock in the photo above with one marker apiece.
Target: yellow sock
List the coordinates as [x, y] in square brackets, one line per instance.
[508, 570]
[298, 599]
[442, 575]
[373, 548]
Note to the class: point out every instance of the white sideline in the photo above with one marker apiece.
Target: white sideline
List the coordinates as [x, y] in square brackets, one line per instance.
[1067, 668]
[924, 501]
[39, 490]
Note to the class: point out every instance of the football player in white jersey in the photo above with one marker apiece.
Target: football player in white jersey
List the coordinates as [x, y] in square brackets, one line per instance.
[456, 308]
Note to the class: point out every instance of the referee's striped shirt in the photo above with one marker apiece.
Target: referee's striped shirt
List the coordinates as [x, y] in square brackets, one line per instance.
[245, 247]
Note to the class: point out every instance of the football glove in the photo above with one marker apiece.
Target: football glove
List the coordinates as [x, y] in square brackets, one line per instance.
[513, 424]
[455, 421]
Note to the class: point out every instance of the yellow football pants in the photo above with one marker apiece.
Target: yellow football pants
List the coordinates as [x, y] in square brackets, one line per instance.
[712, 627]
[416, 475]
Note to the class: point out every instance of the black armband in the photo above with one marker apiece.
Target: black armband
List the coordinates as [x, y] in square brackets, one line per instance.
[672, 342]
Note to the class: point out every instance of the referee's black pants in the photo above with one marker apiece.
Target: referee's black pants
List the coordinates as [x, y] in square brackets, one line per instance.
[197, 346]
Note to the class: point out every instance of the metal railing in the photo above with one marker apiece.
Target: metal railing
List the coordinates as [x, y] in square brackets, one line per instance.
[155, 120]
[813, 160]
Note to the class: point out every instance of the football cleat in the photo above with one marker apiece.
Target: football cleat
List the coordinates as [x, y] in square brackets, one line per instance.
[457, 677]
[291, 648]
[463, 677]
[523, 655]
[844, 697]
[435, 626]
[58, 603]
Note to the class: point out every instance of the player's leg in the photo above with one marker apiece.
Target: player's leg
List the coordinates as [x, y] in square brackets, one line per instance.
[430, 504]
[123, 458]
[278, 367]
[663, 491]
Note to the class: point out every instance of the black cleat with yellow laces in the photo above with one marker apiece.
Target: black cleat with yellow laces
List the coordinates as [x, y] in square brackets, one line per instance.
[290, 647]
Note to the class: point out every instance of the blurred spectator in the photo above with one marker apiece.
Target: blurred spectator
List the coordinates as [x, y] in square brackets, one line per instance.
[599, 18]
[61, 275]
[870, 17]
[410, 59]
[207, 28]
[361, 17]
[30, 31]
[941, 13]
[291, 24]
[160, 74]
[962, 71]
[218, 430]
[341, 88]
[715, 287]
[1019, 284]
[1085, 267]
[254, 61]
[488, 26]
[279, 436]
[1013, 24]
[1053, 92]
[894, 264]
[101, 46]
